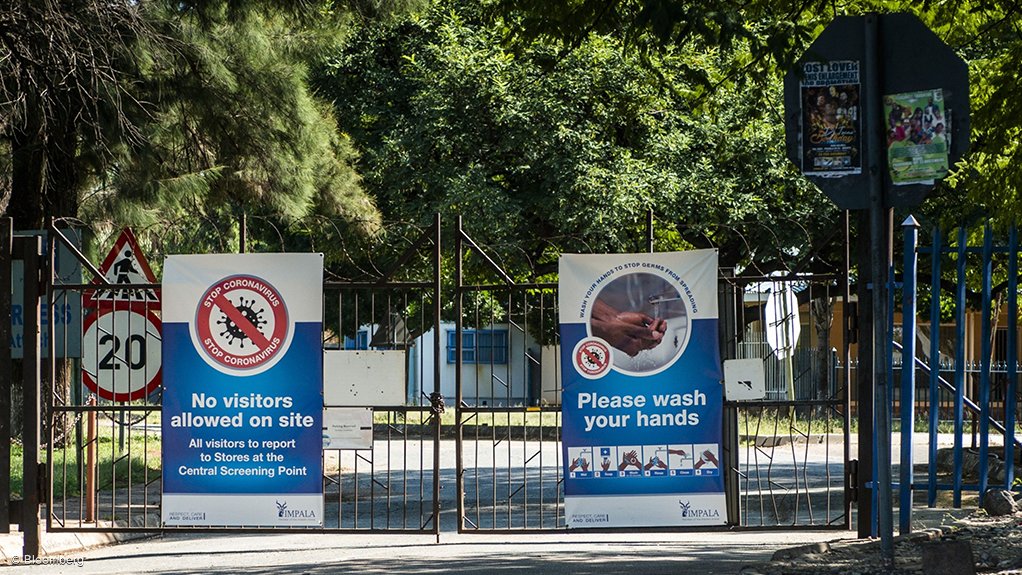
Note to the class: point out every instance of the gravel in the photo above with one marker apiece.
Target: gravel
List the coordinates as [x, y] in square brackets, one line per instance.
[996, 544]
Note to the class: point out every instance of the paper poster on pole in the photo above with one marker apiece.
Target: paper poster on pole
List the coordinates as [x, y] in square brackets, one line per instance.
[831, 124]
[917, 137]
[642, 400]
[243, 390]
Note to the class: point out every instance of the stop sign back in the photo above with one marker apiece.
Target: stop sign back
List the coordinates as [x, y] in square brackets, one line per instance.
[827, 114]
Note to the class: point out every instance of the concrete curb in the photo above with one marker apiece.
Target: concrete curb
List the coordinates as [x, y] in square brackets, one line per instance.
[64, 543]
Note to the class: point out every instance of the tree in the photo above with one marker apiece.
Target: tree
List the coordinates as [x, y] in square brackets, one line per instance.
[146, 111]
[237, 130]
[774, 34]
[156, 112]
[544, 151]
[64, 68]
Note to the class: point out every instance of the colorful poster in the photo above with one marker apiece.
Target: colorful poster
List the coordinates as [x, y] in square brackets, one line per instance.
[917, 137]
[243, 390]
[831, 124]
[642, 400]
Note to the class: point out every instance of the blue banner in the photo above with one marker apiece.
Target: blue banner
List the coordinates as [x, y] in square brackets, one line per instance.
[642, 398]
[243, 390]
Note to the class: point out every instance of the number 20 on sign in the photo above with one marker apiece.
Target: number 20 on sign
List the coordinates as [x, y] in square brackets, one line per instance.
[121, 354]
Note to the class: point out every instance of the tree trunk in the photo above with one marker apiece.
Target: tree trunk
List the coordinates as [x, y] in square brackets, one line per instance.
[823, 318]
[63, 178]
[61, 199]
[28, 162]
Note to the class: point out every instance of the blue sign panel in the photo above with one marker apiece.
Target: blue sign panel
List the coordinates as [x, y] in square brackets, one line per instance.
[66, 312]
[243, 390]
[642, 397]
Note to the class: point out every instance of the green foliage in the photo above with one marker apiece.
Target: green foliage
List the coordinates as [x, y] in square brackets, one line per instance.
[137, 464]
[762, 34]
[543, 151]
[235, 128]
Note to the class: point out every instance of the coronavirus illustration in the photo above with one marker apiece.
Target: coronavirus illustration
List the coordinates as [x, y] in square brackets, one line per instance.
[232, 331]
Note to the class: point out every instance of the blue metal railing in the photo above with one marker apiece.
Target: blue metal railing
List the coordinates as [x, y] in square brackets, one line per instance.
[986, 367]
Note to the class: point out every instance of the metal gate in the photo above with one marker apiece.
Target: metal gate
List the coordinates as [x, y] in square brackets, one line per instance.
[502, 350]
[103, 468]
[786, 456]
[491, 350]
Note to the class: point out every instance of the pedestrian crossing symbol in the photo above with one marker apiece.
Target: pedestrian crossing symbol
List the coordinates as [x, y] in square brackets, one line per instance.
[125, 264]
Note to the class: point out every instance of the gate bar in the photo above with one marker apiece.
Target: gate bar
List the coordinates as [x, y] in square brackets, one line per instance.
[31, 253]
[458, 397]
[984, 375]
[931, 496]
[462, 235]
[959, 411]
[1010, 399]
[6, 365]
[436, 400]
[908, 372]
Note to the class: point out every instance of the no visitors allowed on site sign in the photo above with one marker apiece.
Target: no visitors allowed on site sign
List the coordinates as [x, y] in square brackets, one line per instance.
[243, 393]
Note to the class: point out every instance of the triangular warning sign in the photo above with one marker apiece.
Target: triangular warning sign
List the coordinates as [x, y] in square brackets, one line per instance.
[124, 264]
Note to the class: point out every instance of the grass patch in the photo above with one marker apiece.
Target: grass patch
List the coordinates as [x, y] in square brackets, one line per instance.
[775, 421]
[138, 463]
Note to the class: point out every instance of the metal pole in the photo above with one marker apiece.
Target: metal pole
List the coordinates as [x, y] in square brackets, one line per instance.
[6, 369]
[91, 456]
[458, 313]
[31, 254]
[984, 375]
[937, 250]
[243, 234]
[908, 372]
[437, 309]
[1011, 394]
[846, 297]
[864, 384]
[877, 212]
[959, 409]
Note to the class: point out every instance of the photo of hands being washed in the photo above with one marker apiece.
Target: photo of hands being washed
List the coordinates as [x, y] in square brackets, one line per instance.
[644, 319]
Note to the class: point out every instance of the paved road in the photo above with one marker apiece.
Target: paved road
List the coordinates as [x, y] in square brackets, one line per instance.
[713, 553]
[560, 553]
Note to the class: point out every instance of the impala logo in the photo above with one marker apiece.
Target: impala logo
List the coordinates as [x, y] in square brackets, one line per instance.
[284, 513]
[687, 511]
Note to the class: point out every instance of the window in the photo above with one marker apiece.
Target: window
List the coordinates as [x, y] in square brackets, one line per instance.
[361, 340]
[478, 346]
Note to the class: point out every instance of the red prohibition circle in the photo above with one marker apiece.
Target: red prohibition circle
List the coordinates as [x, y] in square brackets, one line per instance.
[592, 357]
[108, 362]
[252, 312]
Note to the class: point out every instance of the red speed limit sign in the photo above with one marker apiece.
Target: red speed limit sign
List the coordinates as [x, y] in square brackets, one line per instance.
[121, 353]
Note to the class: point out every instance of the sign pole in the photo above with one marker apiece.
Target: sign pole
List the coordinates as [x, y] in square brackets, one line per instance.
[890, 68]
[879, 267]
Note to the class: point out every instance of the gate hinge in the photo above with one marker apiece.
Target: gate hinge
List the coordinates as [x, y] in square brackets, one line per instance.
[436, 403]
[853, 480]
[852, 322]
[43, 483]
